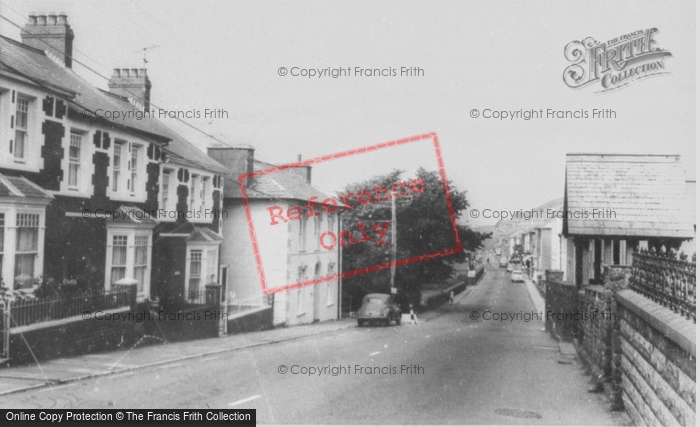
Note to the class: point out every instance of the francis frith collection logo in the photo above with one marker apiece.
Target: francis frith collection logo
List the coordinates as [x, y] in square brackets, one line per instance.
[615, 63]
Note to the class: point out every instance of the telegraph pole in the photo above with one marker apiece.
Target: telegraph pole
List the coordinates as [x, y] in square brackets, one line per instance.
[393, 245]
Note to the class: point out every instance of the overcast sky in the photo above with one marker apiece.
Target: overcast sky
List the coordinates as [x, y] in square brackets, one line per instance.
[500, 55]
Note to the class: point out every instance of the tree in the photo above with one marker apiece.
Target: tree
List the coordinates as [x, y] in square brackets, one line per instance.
[424, 226]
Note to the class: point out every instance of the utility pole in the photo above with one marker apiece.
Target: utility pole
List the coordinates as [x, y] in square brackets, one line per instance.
[392, 290]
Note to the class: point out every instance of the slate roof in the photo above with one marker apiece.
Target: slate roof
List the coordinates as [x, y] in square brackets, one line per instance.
[203, 234]
[132, 215]
[14, 186]
[195, 233]
[646, 193]
[285, 184]
[33, 66]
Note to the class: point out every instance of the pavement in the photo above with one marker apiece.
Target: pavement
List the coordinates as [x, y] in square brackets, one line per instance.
[15, 379]
[49, 373]
[485, 360]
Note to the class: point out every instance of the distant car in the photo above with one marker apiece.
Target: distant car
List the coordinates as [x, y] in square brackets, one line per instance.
[378, 308]
[504, 262]
[514, 264]
[517, 276]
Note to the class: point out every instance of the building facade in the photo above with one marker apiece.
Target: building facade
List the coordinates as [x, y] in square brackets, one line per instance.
[90, 199]
[289, 251]
[617, 203]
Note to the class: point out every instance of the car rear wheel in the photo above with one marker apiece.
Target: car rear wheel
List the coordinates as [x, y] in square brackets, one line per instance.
[398, 320]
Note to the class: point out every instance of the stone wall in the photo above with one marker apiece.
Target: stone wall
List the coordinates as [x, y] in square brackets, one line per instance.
[657, 362]
[259, 320]
[596, 329]
[69, 337]
[561, 307]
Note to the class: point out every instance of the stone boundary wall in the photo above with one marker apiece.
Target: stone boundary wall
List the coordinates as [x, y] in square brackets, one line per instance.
[657, 363]
[561, 311]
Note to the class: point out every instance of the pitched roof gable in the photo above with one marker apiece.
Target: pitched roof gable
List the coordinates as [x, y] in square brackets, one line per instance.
[644, 196]
[282, 184]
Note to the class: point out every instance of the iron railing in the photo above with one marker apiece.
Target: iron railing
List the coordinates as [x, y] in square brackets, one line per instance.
[666, 278]
[28, 311]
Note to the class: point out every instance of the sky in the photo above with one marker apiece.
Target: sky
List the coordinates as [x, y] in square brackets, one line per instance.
[474, 55]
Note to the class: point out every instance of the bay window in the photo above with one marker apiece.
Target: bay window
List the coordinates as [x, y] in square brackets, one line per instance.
[27, 248]
[119, 253]
[129, 255]
[140, 260]
[22, 223]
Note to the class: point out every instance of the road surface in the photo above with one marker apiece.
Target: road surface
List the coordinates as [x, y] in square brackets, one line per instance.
[463, 367]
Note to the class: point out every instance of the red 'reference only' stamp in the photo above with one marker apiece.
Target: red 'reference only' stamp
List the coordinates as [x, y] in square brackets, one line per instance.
[329, 240]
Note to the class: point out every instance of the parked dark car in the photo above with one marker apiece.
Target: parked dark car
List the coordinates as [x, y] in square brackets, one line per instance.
[378, 308]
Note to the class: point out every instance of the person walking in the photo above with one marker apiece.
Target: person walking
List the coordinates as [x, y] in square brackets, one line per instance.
[414, 317]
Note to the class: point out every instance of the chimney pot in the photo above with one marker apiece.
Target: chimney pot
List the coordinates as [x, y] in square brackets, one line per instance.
[58, 40]
[298, 157]
[132, 83]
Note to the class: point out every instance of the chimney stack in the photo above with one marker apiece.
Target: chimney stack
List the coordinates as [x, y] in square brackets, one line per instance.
[239, 160]
[132, 83]
[303, 172]
[52, 34]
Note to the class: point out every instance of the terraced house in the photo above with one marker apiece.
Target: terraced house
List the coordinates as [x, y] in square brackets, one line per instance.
[93, 199]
